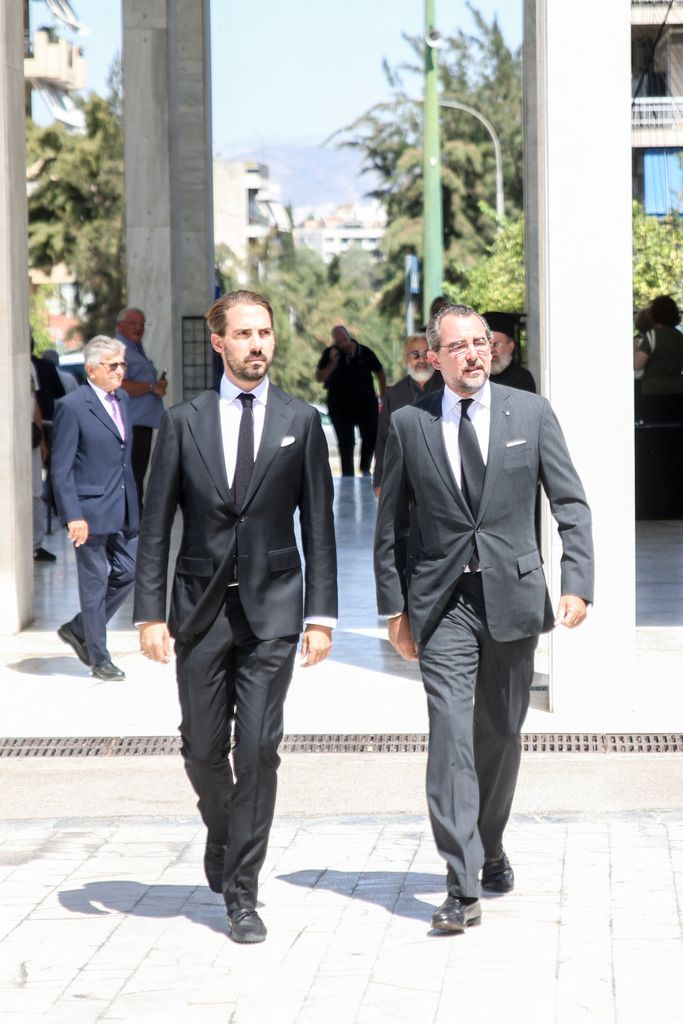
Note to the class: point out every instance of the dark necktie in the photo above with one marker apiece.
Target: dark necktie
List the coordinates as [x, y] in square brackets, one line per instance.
[472, 468]
[245, 451]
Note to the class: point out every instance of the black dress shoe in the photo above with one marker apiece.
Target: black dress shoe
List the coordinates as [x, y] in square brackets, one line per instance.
[43, 555]
[105, 670]
[456, 914]
[246, 926]
[497, 875]
[67, 634]
[214, 859]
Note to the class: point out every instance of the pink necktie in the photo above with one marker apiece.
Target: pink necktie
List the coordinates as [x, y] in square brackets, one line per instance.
[116, 414]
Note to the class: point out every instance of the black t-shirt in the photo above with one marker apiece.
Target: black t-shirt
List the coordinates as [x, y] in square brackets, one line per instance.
[350, 383]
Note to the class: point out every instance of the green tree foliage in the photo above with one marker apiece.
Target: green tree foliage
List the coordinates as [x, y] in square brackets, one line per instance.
[482, 71]
[75, 206]
[496, 281]
[657, 257]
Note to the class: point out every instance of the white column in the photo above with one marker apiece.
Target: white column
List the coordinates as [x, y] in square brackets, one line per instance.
[578, 202]
[16, 535]
[167, 135]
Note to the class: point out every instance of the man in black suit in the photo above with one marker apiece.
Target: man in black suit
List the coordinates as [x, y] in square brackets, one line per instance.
[238, 460]
[95, 494]
[464, 465]
[420, 380]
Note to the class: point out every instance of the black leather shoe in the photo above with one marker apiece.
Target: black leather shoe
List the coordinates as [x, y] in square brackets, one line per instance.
[105, 670]
[43, 555]
[67, 634]
[497, 875]
[214, 859]
[456, 914]
[246, 926]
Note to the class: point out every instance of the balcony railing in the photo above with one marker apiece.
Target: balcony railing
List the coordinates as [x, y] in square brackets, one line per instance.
[659, 112]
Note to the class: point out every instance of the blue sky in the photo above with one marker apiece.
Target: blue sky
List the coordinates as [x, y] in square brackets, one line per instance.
[294, 71]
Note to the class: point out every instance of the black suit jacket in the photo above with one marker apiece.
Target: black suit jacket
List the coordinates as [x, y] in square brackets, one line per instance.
[91, 473]
[526, 446]
[291, 472]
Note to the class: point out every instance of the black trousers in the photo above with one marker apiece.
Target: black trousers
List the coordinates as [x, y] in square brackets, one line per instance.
[223, 674]
[344, 420]
[106, 572]
[478, 693]
[139, 457]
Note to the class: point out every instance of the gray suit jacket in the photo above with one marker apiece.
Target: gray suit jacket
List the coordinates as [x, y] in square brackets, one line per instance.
[291, 472]
[526, 447]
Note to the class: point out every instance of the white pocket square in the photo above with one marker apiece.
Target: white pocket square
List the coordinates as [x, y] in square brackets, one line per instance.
[513, 444]
[287, 440]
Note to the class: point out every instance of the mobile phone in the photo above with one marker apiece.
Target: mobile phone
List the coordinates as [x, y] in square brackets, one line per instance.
[162, 375]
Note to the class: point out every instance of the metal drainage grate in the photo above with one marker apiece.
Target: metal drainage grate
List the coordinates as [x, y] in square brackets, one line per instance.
[344, 743]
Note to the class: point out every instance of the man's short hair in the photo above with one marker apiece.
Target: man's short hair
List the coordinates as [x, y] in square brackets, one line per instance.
[665, 311]
[125, 311]
[450, 309]
[217, 314]
[99, 346]
[413, 338]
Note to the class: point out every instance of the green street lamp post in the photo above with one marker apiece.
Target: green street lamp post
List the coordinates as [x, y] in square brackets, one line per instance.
[432, 279]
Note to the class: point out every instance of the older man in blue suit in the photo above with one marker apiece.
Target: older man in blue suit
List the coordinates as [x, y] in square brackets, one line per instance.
[96, 497]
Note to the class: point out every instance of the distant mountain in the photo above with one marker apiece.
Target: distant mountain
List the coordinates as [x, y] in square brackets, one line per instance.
[308, 175]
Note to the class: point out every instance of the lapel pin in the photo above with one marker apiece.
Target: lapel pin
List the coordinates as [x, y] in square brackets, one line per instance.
[507, 412]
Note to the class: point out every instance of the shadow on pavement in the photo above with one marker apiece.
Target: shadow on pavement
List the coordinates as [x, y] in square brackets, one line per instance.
[395, 891]
[136, 899]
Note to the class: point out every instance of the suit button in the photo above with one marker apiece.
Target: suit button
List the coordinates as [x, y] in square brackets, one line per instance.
[242, 519]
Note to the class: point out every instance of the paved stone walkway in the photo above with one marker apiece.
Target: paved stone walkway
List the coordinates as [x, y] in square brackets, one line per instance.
[108, 920]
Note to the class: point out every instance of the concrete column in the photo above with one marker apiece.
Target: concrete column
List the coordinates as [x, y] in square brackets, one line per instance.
[16, 535]
[167, 134]
[578, 205]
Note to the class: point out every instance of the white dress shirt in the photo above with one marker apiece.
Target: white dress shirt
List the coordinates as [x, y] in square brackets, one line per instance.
[231, 415]
[479, 413]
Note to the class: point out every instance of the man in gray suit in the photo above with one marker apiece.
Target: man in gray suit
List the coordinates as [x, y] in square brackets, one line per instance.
[464, 465]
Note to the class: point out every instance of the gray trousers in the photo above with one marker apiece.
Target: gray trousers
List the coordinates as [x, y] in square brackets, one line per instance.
[478, 695]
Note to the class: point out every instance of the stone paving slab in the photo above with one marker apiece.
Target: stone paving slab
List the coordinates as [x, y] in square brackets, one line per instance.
[108, 920]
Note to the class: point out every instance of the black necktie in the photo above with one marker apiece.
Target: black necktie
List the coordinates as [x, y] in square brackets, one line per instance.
[472, 469]
[245, 451]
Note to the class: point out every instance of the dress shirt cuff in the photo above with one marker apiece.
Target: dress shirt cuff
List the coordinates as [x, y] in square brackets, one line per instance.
[320, 620]
[393, 615]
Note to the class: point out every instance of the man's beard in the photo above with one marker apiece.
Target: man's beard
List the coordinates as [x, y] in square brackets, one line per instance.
[420, 376]
[502, 363]
[248, 371]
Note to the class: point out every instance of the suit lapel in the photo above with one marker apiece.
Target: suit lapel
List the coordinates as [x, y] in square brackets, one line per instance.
[497, 434]
[204, 422]
[279, 415]
[97, 409]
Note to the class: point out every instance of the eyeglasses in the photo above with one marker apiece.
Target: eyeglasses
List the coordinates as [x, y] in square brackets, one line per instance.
[112, 367]
[495, 345]
[416, 355]
[136, 323]
[460, 348]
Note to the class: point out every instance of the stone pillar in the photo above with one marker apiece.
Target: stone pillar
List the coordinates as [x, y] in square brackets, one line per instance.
[168, 159]
[578, 204]
[16, 535]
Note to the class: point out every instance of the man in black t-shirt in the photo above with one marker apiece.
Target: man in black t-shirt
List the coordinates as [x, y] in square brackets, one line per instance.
[346, 369]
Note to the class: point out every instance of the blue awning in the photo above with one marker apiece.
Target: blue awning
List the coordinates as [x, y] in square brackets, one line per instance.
[663, 181]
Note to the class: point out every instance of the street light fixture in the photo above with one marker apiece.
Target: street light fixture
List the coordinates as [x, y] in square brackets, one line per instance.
[500, 198]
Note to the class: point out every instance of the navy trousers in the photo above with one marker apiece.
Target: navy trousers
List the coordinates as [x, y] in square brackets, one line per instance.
[106, 572]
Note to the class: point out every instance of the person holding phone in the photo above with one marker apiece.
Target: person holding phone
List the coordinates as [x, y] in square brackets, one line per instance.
[145, 389]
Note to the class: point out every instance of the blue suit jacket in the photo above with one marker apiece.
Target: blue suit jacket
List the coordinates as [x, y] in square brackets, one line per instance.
[90, 467]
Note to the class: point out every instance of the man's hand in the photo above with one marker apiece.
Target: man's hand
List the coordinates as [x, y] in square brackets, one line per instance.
[316, 644]
[401, 638]
[155, 641]
[159, 388]
[77, 531]
[571, 611]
